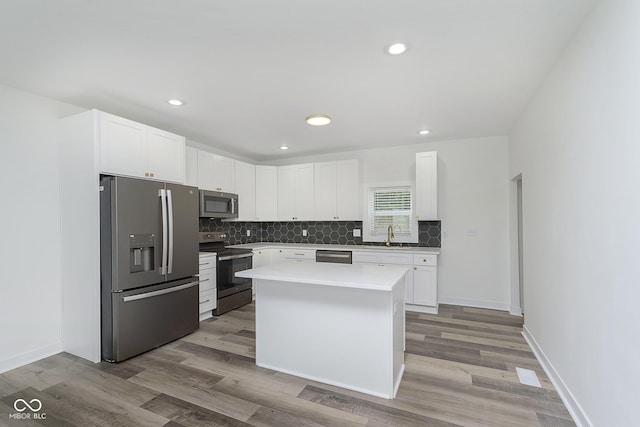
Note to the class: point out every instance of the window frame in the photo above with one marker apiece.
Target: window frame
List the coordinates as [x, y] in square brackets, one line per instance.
[368, 190]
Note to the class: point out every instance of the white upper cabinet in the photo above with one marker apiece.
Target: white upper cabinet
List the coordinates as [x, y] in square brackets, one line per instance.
[191, 160]
[165, 155]
[215, 172]
[245, 180]
[286, 193]
[133, 149]
[296, 198]
[266, 193]
[337, 191]
[427, 186]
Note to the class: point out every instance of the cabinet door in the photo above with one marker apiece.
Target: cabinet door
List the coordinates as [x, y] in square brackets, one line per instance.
[191, 164]
[427, 186]
[123, 146]
[425, 286]
[325, 191]
[348, 191]
[276, 256]
[304, 197]
[224, 174]
[246, 189]
[261, 257]
[266, 193]
[286, 193]
[165, 156]
[409, 284]
[206, 166]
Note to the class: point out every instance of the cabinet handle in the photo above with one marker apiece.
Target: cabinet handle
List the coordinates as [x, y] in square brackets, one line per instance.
[146, 174]
[299, 254]
[418, 216]
[207, 300]
[203, 280]
[424, 260]
[206, 263]
[151, 174]
[415, 268]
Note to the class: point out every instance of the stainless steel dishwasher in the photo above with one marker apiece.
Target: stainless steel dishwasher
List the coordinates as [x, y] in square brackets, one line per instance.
[333, 256]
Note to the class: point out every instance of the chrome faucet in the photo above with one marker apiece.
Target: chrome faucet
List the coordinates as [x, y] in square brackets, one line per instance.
[389, 235]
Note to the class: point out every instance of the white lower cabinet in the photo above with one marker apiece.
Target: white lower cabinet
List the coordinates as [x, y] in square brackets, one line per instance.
[276, 256]
[208, 292]
[425, 286]
[425, 280]
[421, 280]
[260, 257]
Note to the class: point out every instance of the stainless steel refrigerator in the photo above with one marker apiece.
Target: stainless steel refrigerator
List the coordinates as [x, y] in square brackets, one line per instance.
[149, 263]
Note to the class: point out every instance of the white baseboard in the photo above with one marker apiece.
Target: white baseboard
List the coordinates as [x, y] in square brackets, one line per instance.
[515, 311]
[421, 309]
[576, 411]
[30, 356]
[478, 303]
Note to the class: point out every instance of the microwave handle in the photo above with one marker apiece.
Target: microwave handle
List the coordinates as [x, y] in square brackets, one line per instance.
[233, 205]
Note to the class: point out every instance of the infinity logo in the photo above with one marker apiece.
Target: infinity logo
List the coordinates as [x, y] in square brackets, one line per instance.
[26, 405]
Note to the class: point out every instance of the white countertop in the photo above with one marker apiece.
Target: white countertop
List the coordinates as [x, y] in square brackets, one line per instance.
[359, 276]
[265, 245]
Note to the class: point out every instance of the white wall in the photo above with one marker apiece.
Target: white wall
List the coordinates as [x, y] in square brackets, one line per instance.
[472, 204]
[30, 286]
[578, 148]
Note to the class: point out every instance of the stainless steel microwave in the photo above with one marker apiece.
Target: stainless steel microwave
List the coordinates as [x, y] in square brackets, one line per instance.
[215, 204]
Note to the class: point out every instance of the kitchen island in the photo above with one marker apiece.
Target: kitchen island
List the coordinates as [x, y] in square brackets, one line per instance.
[339, 324]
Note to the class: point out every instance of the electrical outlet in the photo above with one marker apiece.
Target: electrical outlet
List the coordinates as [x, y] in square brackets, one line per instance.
[304, 233]
[356, 232]
[248, 233]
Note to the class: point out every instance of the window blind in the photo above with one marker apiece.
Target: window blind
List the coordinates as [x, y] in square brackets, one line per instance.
[390, 206]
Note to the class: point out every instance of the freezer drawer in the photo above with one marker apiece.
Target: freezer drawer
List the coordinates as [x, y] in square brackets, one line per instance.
[148, 318]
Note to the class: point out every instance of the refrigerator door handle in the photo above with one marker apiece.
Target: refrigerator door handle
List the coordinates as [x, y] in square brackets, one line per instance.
[163, 202]
[160, 292]
[170, 216]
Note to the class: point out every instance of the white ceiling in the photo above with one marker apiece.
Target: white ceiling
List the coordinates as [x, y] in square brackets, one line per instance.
[251, 70]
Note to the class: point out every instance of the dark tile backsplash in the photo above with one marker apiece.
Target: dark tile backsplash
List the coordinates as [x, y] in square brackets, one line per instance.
[326, 232]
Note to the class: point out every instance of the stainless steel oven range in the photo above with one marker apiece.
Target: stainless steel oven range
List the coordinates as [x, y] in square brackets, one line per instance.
[232, 291]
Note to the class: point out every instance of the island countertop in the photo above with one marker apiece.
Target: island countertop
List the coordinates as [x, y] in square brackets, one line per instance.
[357, 276]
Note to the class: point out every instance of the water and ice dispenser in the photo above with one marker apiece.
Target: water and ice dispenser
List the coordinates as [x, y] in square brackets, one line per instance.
[142, 252]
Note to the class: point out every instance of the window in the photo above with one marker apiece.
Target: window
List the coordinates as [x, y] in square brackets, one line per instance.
[390, 206]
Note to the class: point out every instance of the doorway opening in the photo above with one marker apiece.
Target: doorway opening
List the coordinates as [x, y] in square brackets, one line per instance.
[517, 239]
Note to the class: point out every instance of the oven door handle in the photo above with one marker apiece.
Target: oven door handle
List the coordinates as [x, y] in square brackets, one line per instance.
[228, 257]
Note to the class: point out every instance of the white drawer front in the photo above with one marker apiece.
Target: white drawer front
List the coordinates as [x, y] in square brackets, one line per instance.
[365, 257]
[309, 254]
[207, 301]
[207, 261]
[426, 259]
[403, 259]
[207, 282]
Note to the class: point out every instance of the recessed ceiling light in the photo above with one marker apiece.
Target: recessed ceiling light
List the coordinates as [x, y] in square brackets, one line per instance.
[423, 132]
[284, 147]
[318, 120]
[175, 102]
[396, 49]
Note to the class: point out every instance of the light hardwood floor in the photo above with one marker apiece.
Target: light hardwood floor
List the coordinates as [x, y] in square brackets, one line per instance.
[460, 371]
